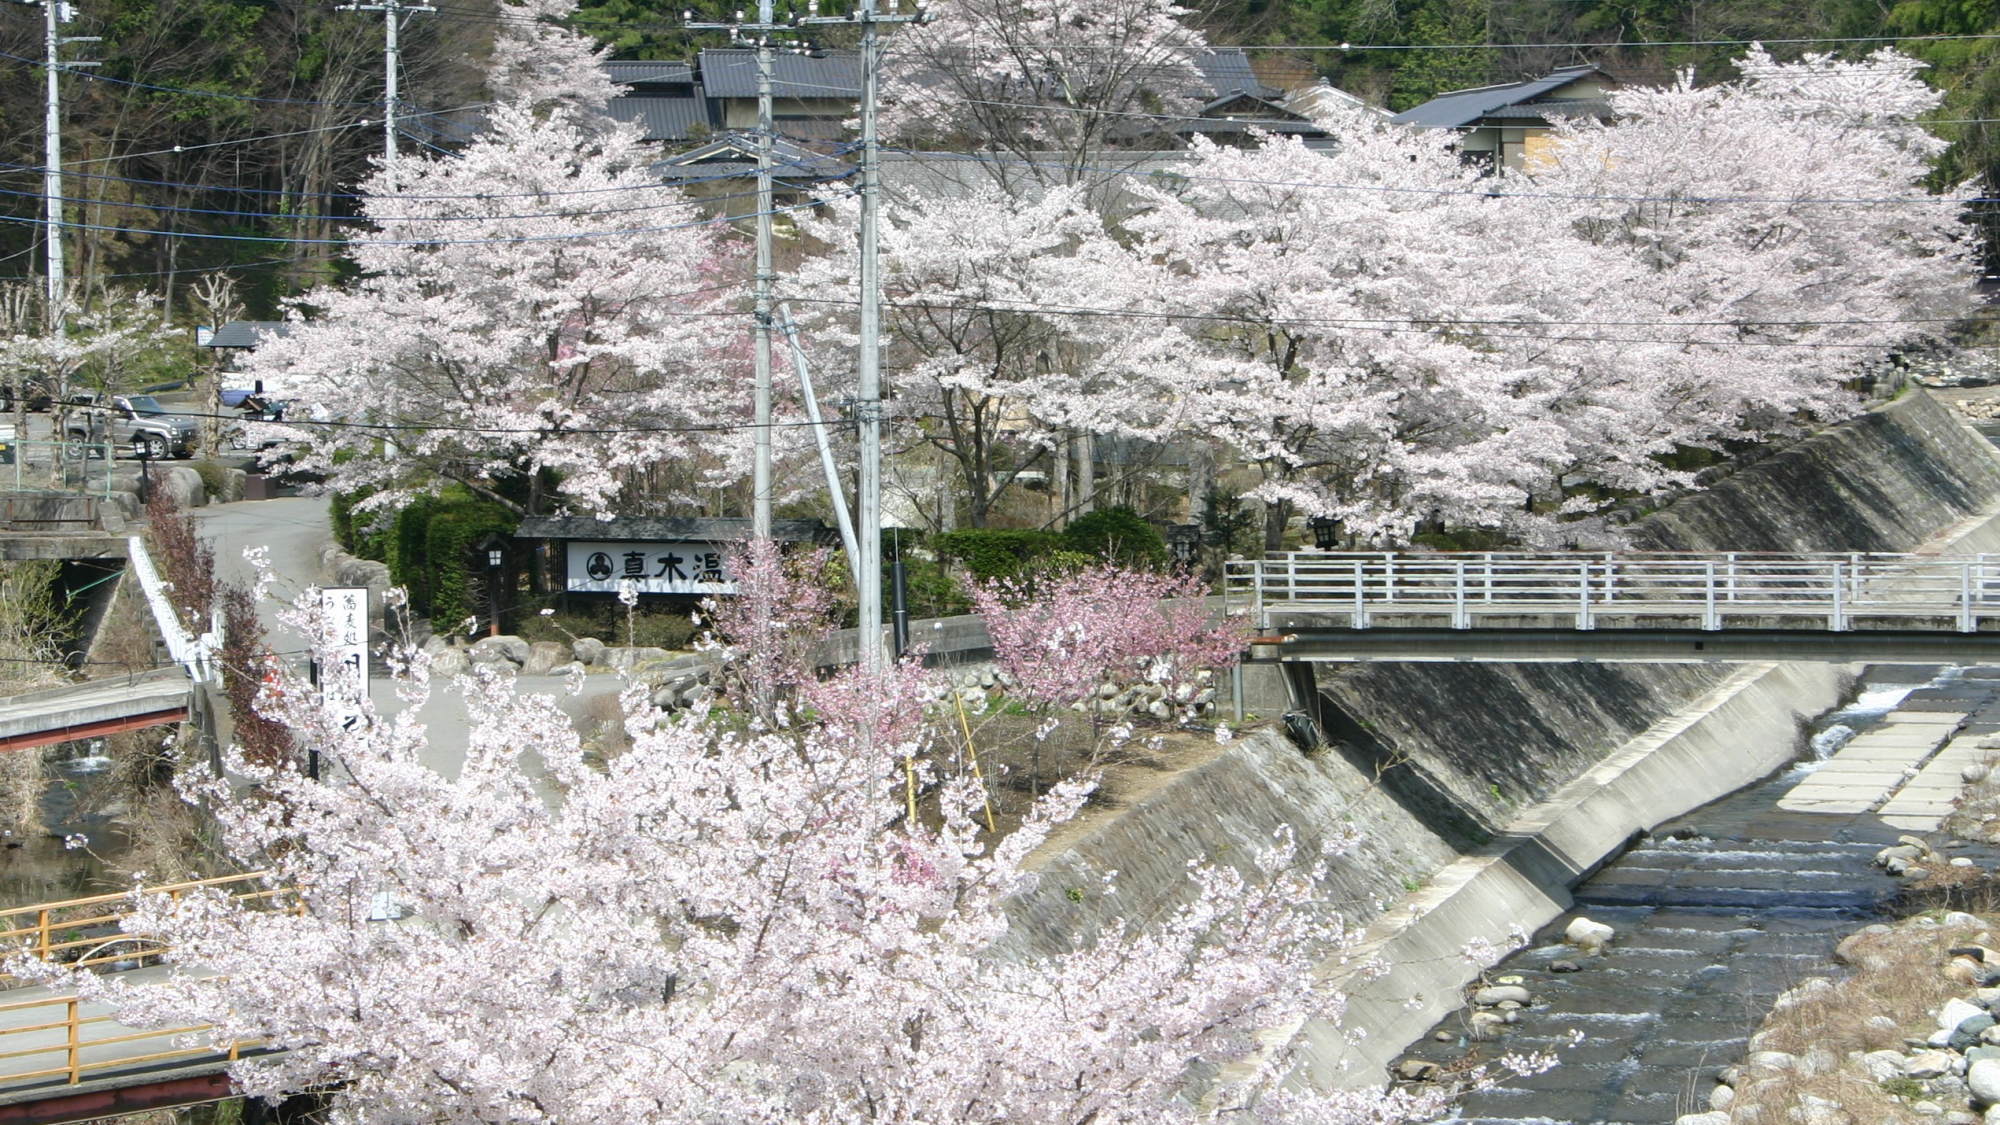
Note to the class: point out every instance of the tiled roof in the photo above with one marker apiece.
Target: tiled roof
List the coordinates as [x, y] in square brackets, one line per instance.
[1463, 107]
[1227, 70]
[640, 72]
[697, 529]
[247, 333]
[732, 73]
[663, 118]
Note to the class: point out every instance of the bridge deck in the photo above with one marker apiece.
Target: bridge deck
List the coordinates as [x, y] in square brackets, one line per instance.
[93, 708]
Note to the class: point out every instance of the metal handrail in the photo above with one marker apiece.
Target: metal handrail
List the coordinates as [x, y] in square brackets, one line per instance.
[1468, 586]
[75, 1042]
[44, 929]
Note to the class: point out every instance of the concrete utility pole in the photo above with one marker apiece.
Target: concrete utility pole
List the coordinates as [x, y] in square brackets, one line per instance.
[392, 71]
[55, 13]
[740, 32]
[868, 394]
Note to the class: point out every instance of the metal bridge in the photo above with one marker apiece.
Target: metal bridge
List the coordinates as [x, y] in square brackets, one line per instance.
[65, 1058]
[1521, 606]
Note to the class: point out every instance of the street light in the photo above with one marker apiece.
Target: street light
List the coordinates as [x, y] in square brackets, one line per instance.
[496, 561]
[1326, 532]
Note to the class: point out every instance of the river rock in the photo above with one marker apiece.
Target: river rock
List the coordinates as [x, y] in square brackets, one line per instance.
[1485, 1025]
[1416, 1070]
[1926, 1108]
[1927, 1064]
[587, 650]
[1773, 1060]
[1992, 1115]
[543, 656]
[1587, 935]
[1713, 1117]
[1967, 1034]
[1881, 1066]
[1959, 919]
[1822, 1111]
[1983, 1079]
[1817, 1060]
[1565, 966]
[1975, 1054]
[1499, 994]
[1956, 1011]
[1960, 1117]
[448, 662]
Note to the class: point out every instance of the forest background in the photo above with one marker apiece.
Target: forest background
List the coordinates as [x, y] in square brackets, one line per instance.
[225, 134]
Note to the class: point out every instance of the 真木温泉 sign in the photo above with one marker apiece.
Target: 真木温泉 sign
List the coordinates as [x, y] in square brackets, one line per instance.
[654, 568]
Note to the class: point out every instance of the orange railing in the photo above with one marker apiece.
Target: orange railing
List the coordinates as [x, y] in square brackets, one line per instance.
[57, 931]
[75, 1040]
[72, 932]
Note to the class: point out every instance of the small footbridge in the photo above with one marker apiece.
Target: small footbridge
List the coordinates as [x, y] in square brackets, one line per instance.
[1621, 606]
[66, 1058]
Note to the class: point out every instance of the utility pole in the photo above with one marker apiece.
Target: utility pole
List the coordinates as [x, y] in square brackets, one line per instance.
[55, 13]
[760, 476]
[868, 394]
[392, 70]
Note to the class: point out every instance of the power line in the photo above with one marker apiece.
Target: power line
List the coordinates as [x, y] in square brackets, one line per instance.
[38, 64]
[508, 240]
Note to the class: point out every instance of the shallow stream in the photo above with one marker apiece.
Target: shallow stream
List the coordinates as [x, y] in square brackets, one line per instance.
[1716, 913]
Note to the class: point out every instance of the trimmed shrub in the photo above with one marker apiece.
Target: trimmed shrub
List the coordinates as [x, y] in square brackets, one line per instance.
[450, 534]
[989, 553]
[1117, 535]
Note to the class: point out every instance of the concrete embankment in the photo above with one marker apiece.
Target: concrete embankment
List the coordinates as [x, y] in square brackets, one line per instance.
[1485, 792]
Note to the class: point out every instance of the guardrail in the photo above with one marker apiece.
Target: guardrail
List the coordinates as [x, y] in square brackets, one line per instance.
[76, 459]
[1468, 588]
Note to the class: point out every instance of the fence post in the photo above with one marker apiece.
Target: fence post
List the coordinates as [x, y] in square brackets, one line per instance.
[75, 1043]
[1459, 618]
[1966, 619]
[1389, 576]
[42, 926]
[1837, 622]
[1360, 596]
[1489, 577]
[1583, 620]
[1710, 620]
[1292, 576]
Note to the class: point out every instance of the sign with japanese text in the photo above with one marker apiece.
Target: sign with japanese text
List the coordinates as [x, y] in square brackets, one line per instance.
[653, 568]
[346, 609]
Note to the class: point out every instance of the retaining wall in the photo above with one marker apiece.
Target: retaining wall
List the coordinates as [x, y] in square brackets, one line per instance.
[1498, 787]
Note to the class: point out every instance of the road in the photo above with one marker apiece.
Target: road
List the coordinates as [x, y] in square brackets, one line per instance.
[292, 531]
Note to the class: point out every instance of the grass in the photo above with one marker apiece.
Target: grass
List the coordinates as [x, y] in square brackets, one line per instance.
[1898, 975]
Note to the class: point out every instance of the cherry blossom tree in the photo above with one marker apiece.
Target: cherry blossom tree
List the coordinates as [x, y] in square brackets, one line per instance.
[988, 364]
[1391, 338]
[1060, 638]
[535, 308]
[712, 926]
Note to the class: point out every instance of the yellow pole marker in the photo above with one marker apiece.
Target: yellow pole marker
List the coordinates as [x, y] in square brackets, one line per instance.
[972, 753]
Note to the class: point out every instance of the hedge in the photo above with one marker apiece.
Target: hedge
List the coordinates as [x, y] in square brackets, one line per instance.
[989, 553]
[1118, 534]
[450, 534]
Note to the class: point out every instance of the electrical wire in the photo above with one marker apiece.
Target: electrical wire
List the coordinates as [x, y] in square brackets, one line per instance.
[42, 64]
[507, 240]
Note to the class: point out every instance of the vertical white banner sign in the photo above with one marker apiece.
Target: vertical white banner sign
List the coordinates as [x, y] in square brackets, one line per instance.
[344, 691]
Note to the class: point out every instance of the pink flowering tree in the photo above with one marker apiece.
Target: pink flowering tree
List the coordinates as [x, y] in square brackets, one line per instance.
[714, 926]
[1061, 638]
[771, 631]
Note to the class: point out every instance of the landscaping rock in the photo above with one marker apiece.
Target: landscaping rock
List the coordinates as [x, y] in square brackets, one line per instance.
[628, 659]
[448, 662]
[573, 668]
[1721, 1097]
[498, 650]
[543, 656]
[588, 650]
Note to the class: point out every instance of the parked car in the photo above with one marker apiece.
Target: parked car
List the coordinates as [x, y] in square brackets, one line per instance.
[134, 423]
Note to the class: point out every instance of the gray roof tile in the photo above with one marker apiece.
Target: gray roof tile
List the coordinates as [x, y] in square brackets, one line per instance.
[732, 73]
[1460, 108]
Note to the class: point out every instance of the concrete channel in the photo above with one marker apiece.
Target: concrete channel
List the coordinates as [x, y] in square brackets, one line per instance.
[1720, 910]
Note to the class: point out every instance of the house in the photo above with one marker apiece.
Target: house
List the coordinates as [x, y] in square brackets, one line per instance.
[724, 170]
[813, 95]
[1505, 126]
[663, 98]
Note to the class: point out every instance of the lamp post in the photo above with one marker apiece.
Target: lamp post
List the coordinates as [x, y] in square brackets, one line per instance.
[1184, 541]
[495, 551]
[1326, 532]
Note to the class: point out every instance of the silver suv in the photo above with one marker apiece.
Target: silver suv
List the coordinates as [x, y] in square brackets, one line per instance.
[134, 423]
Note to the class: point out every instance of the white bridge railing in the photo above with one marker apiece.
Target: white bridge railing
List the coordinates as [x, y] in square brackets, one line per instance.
[1704, 590]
